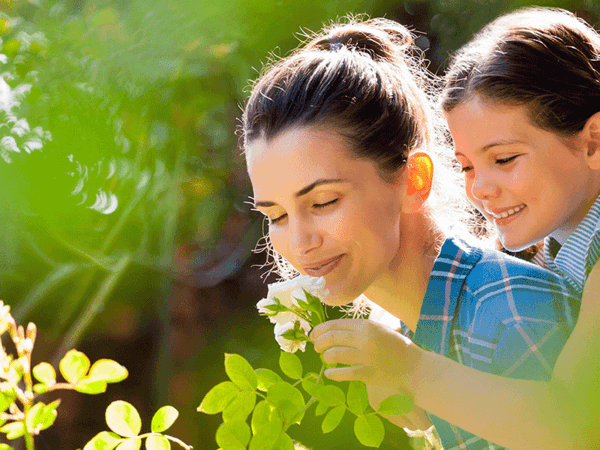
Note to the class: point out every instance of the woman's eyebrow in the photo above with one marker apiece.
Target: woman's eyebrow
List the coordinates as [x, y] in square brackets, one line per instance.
[305, 190]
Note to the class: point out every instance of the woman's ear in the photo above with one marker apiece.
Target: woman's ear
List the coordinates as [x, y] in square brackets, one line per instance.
[419, 177]
[591, 135]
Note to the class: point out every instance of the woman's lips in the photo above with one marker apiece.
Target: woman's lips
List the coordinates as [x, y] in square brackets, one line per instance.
[323, 268]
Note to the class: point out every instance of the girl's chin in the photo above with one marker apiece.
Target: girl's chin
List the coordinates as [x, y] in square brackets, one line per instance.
[516, 245]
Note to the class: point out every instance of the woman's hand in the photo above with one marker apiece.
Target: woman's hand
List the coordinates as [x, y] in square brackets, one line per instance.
[372, 353]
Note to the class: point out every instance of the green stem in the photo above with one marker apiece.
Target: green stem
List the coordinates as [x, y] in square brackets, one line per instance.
[170, 438]
[29, 441]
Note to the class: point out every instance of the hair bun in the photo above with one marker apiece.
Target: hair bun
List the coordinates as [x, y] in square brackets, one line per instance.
[380, 38]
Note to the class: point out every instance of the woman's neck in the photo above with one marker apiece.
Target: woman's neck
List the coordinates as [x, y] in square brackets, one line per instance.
[401, 289]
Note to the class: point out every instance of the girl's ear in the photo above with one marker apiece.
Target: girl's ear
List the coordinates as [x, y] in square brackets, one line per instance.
[591, 134]
[419, 177]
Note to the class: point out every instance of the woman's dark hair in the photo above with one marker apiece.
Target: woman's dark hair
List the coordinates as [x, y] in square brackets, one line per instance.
[544, 58]
[366, 81]
[362, 79]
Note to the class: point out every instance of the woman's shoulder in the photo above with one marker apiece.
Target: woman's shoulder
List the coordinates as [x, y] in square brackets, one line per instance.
[495, 271]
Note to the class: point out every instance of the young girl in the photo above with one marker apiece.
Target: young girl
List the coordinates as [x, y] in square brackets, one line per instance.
[339, 139]
[522, 101]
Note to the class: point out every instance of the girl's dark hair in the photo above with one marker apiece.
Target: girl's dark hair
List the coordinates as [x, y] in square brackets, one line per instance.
[544, 58]
[362, 79]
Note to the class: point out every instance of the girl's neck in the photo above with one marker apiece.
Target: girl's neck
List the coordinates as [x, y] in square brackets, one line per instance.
[401, 289]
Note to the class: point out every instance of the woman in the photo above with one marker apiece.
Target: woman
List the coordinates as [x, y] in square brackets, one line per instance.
[340, 144]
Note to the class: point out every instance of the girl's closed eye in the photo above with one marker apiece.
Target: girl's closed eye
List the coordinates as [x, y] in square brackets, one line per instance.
[465, 169]
[326, 204]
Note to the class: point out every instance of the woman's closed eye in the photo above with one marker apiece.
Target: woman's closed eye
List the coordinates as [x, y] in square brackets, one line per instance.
[502, 161]
[273, 221]
[278, 219]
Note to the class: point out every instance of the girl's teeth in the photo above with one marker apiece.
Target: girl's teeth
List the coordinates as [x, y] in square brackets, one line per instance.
[510, 212]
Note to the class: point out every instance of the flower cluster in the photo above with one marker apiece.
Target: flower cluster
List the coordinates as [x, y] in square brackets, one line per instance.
[295, 307]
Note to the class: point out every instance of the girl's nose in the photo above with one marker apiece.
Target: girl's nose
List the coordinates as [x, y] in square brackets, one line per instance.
[484, 187]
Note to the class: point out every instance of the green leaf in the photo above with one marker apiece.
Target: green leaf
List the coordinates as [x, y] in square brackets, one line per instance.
[90, 386]
[13, 430]
[45, 373]
[154, 442]
[333, 418]
[266, 418]
[123, 419]
[266, 378]
[369, 430]
[108, 370]
[130, 444]
[288, 399]
[5, 447]
[6, 397]
[321, 409]
[40, 388]
[240, 372]
[264, 440]
[74, 366]
[103, 441]
[309, 383]
[358, 399]
[40, 417]
[218, 398]
[285, 442]
[233, 435]
[163, 419]
[241, 407]
[290, 365]
[330, 395]
[396, 405]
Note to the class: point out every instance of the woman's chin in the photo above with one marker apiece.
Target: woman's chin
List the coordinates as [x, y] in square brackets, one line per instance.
[340, 298]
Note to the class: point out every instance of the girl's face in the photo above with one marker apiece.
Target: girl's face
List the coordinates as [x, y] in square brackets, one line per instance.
[529, 182]
[329, 214]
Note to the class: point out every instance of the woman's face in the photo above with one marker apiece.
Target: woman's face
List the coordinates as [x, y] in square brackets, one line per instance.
[329, 214]
[529, 182]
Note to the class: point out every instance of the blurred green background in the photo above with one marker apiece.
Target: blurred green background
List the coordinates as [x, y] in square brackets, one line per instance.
[125, 228]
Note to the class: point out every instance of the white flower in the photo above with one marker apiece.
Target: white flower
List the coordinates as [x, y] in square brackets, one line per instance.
[287, 292]
[287, 345]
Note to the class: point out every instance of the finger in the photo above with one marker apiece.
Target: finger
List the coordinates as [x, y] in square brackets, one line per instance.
[420, 419]
[341, 355]
[352, 373]
[335, 338]
[338, 324]
[401, 421]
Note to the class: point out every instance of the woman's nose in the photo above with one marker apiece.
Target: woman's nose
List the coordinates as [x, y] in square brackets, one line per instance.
[304, 237]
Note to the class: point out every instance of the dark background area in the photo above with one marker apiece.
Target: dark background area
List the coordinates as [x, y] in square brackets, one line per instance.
[125, 227]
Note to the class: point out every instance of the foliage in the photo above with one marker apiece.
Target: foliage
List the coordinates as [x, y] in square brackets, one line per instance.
[281, 404]
[21, 413]
[125, 424]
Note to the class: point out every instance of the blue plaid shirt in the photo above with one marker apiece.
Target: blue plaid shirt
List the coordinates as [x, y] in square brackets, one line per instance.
[494, 313]
[576, 258]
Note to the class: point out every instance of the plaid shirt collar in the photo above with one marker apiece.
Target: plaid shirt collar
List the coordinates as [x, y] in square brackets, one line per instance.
[579, 253]
[450, 270]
